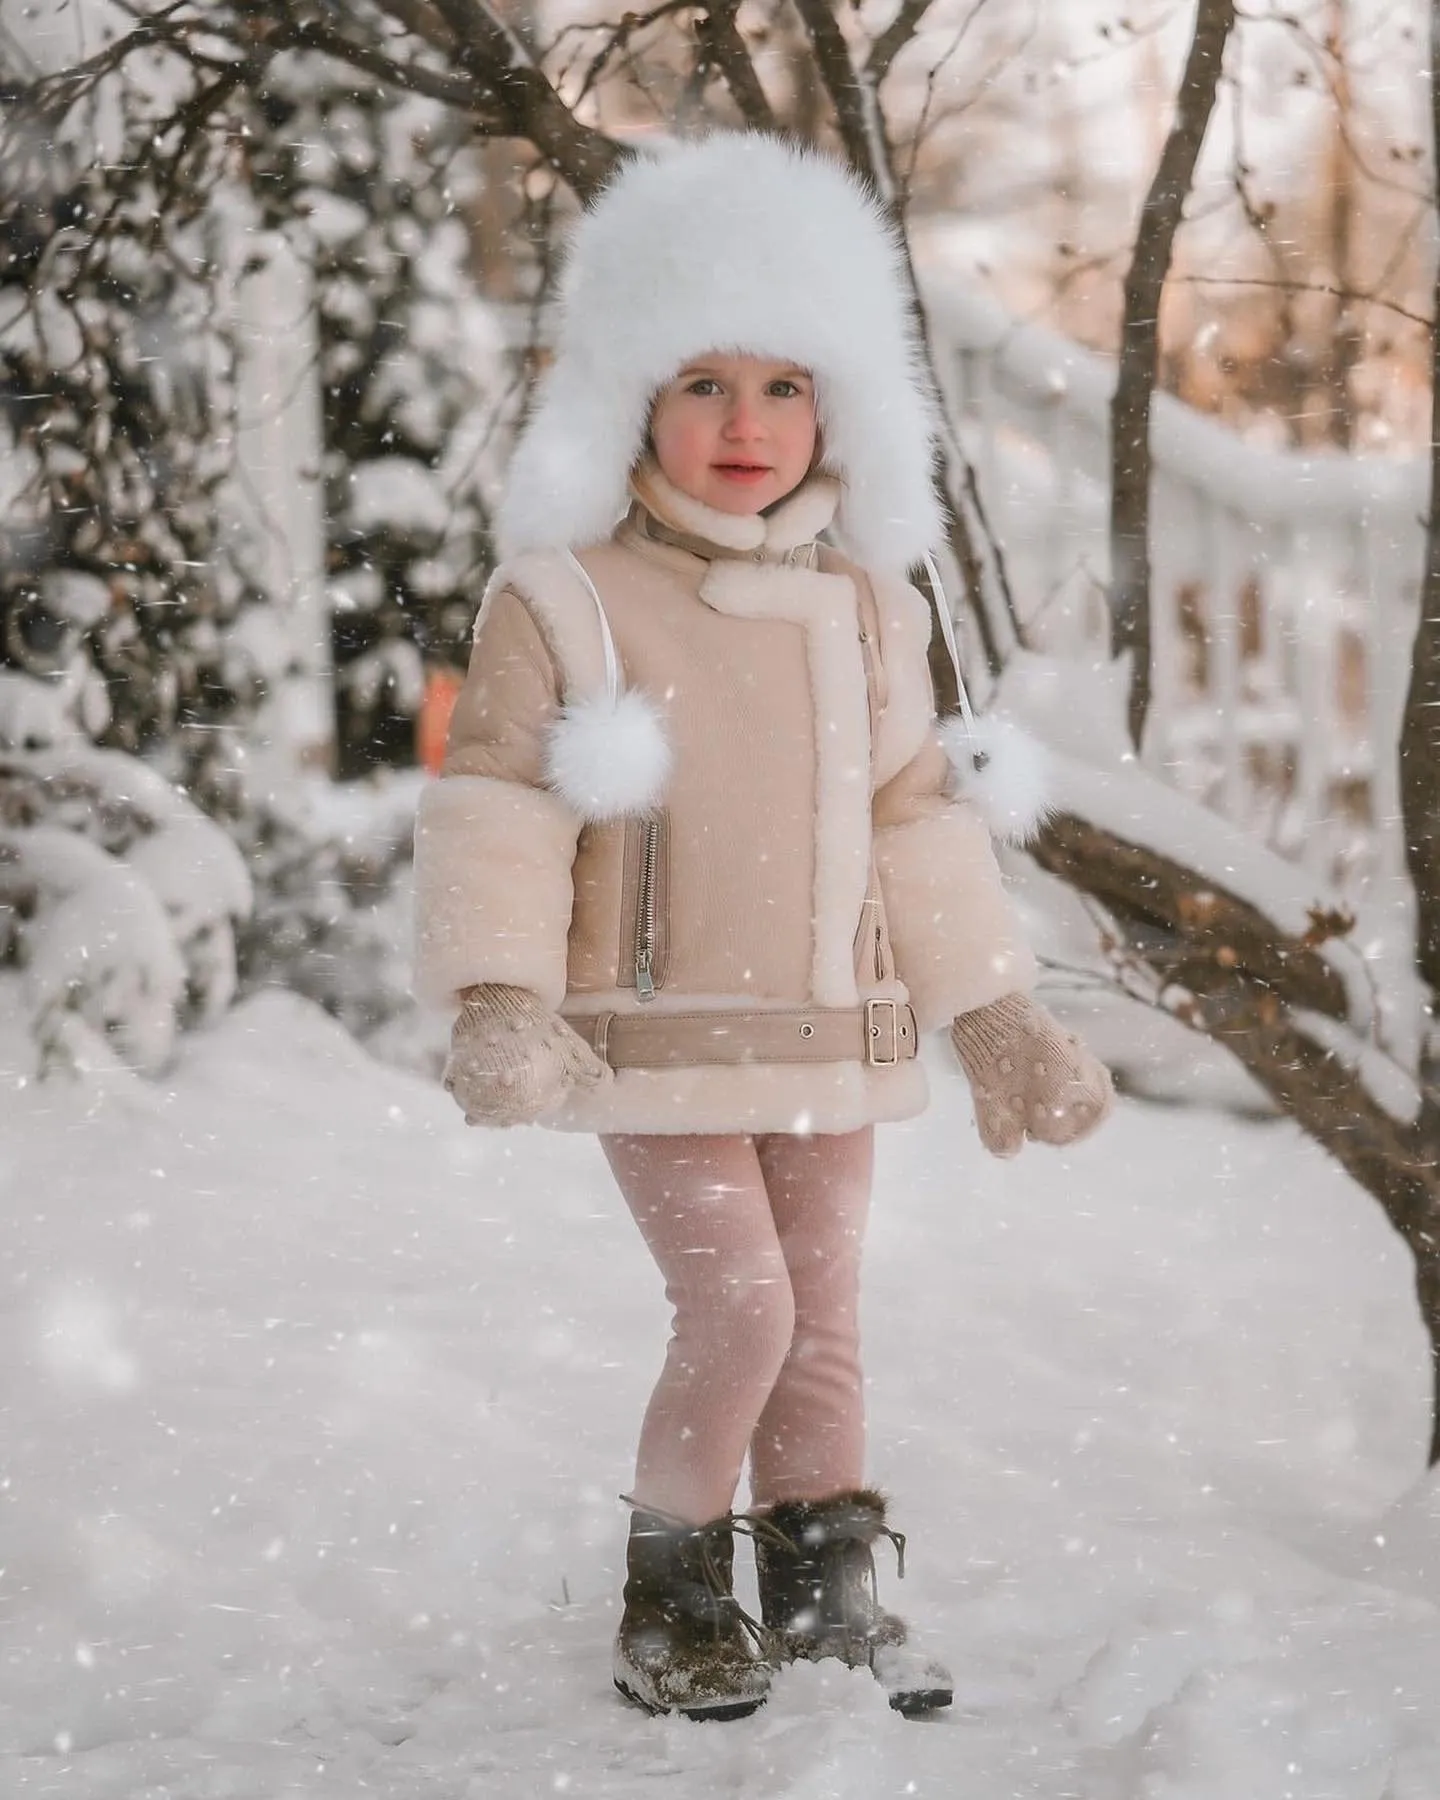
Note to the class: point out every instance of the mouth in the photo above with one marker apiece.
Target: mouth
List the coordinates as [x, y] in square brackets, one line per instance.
[741, 471]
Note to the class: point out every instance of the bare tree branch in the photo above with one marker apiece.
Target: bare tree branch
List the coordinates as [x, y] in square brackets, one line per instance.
[500, 66]
[617, 40]
[1199, 923]
[1140, 347]
[1330, 67]
[932, 117]
[412, 77]
[494, 82]
[1351, 296]
[898, 33]
[192, 120]
[721, 43]
[841, 82]
[53, 95]
[422, 19]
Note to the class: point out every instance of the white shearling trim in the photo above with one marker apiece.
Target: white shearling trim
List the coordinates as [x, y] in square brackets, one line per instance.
[745, 244]
[790, 1097]
[797, 519]
[825, 606]
[660, 496]
[803, 515]
[1002, 771]
[607, 760]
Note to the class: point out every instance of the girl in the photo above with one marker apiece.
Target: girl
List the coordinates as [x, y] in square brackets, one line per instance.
[698, 872]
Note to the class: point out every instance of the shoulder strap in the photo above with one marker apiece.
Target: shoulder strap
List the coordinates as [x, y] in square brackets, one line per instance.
[947, 628]
[566, 606]
[607, 642]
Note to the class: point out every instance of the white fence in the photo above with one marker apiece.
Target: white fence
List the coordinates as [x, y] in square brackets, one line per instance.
[1285, 586]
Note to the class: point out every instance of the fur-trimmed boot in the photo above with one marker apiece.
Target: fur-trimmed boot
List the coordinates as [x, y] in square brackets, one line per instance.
[818, 1593]
[684, 1644]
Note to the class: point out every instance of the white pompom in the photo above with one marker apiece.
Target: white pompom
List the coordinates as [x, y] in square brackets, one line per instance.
[1002, 771]
[607, 760]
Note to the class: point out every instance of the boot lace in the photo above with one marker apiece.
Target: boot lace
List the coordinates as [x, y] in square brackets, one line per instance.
[838, 1556]
[722, 1609]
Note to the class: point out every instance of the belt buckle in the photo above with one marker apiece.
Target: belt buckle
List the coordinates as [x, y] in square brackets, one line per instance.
[876, 1033]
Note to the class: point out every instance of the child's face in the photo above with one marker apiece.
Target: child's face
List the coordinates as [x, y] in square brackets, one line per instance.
[735, 432]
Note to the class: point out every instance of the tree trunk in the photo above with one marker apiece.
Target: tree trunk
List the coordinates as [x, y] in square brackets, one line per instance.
[1139, 352]
[1420, 730]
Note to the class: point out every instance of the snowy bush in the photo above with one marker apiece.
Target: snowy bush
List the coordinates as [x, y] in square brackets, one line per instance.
[123, 678]
[118, 901]
[332, 888]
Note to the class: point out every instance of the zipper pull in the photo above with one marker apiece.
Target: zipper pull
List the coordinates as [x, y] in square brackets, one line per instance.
[644, 984]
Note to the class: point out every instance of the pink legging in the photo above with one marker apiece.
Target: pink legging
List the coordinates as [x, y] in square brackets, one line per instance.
[759, 1241]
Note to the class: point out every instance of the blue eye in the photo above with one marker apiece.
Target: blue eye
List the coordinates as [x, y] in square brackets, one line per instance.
[704, 386]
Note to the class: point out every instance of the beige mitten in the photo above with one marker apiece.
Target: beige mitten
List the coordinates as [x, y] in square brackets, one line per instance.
[1030, 1077]
[511, 1060]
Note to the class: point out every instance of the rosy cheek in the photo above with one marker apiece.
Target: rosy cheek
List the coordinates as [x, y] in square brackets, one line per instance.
[699, 441]
[682, 448]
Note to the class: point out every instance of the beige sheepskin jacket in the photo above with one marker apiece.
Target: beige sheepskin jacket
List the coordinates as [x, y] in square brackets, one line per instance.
[804, 850]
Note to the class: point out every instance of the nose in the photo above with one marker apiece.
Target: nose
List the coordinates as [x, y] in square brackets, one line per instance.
[742, 419]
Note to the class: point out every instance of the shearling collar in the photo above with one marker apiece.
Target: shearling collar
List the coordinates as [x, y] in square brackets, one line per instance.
[690, 525]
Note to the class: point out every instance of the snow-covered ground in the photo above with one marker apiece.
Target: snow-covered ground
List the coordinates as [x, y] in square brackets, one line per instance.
[317, 1406]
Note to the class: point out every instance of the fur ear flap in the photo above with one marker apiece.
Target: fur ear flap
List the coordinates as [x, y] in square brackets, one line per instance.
[1002, 771]
[608, 758]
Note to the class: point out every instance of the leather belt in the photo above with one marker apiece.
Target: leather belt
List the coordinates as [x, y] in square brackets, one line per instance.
[880, 1033]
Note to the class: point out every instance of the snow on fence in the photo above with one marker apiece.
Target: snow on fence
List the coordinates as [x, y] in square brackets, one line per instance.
[1285, 586]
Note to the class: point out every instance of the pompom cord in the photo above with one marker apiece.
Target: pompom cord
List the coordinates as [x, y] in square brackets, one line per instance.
[1002, 771]
[608, 758]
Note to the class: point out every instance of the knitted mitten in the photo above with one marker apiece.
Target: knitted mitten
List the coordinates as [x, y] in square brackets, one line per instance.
[1030, 1077]
[511, 1060]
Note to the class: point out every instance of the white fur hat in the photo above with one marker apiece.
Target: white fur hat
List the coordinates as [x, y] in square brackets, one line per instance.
[744, 244]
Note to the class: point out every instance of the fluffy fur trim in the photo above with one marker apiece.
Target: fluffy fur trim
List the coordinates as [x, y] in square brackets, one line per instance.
[608, 759]
[741, 243]
[823, 605]
[746, 1097]
[857, 1514]
[1003, 771]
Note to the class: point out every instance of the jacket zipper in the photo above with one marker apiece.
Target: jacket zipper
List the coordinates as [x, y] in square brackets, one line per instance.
[645, 915]
[879, 959]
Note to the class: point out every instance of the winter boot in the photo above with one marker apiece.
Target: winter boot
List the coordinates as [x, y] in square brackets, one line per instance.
[818, 1593]
[684, 1644]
